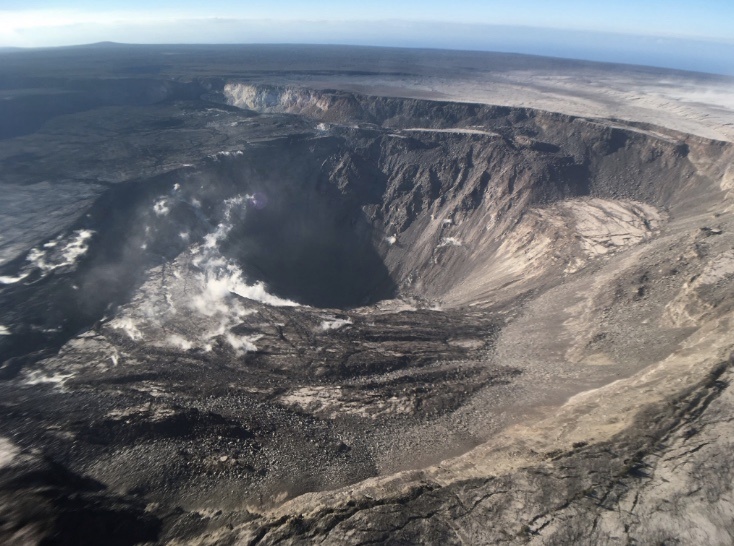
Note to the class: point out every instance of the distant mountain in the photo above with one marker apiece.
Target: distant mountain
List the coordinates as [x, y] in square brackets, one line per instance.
[97, 45]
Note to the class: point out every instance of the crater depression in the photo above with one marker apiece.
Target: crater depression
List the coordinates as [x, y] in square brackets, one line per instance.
[232, 294]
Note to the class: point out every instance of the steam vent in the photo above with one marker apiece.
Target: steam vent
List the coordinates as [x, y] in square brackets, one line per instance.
[258, 295]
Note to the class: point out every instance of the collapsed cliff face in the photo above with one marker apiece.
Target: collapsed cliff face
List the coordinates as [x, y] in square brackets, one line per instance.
[356, 286]
[496, 186]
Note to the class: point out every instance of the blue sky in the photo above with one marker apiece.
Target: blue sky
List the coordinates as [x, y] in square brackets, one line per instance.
[681, 34]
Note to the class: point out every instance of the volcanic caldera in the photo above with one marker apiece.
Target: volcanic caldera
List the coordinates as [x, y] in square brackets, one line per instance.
[247, 304]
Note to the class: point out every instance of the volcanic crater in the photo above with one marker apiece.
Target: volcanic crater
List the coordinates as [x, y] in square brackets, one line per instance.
[255, 293]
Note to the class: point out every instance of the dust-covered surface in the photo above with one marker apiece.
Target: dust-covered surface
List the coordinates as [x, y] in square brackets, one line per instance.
[240, 306]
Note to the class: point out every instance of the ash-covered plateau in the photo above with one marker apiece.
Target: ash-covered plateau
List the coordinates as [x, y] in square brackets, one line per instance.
[279, 294]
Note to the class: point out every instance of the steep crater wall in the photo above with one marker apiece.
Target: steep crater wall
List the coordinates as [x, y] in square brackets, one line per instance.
[468, 187]
[444, 202]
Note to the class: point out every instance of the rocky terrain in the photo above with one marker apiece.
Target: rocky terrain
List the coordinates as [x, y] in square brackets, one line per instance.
[236, 308]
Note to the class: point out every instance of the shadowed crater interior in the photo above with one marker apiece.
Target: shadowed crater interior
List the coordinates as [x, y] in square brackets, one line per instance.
[305, 239]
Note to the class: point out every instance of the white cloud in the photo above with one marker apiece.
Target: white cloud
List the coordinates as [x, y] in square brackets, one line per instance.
[180, 342]
[8, 452]
[334, 324]
[161, 207]
[37, 377]
[59, 253]
[128, 326]
[13, 280]
[202, 287]
[449, 241]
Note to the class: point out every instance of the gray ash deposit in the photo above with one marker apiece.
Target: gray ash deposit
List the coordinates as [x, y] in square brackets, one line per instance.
[240, 312]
